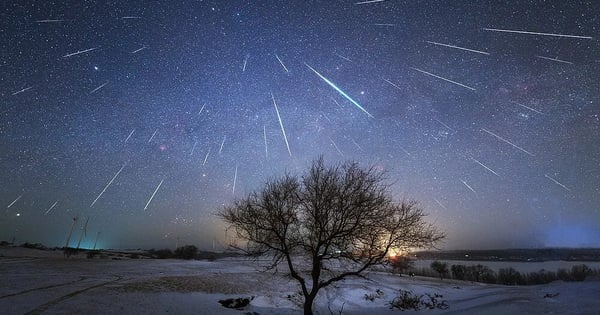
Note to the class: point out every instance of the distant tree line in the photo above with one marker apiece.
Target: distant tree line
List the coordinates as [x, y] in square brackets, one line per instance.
[505, 276]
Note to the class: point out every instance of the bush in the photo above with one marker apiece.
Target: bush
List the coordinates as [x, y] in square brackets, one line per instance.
[509, 276]
[161, 253]
[186, 252]
[580, 272]
[407, 300]
[458, 272]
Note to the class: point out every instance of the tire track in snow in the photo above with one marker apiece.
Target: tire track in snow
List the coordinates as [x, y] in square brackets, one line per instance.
[42, 308]
[43, 288]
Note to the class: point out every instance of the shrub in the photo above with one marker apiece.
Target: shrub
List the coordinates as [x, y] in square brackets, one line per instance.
[509, 276]
[563, 274]
[407, 300]
[579, 272]
[458, 272]
[186, 252]
[161, 253]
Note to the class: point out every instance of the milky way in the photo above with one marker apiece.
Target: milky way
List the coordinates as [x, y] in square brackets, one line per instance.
[148, 117]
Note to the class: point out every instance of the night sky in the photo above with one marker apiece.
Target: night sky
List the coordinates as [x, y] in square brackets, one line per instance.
[148, 117]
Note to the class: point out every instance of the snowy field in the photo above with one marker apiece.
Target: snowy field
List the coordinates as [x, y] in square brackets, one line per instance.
[36, 282]
[520, 266]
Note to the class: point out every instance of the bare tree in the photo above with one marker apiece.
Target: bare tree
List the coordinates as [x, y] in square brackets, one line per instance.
[328, 224]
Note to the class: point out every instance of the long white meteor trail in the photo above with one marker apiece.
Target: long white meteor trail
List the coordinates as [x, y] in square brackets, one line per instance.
[265, 138]
[21, 91]
[506, 141]
[442, 78]
[234, 180]
[138, 50]
[222, 144]
[335, 87]
[345, 58]
[12, 203]
[392, 84]
[287, 144]
[154, 193]
[336, 147]
[206, 157]
[98, 88]
[470, 188]
[369, 1]
[52, 207]
[281, 62]
[536, 33]
[110, 182]
[554, 59]
[79, 52]
[49, 21]
[483, 165]
[154, 134]
[245, 62]
[457, 47]
[439, 203]
[557, 182]
[130, 134]
[531, 109]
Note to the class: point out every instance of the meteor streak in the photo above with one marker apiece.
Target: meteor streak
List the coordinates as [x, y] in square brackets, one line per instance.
[536, 33]
[531, 109]
[470, 188]
[79, 52]
[12, 203]
[265, 138]
[202, 109]
[281, 125]
[193, 148]
[336, 147]
[206, 157]
[439, 203]
[345, 58]
[557, 182]
[110, 182]
[245, 62]
[49, 21]
[339, 90]
[139, 49]
[52, 207]
[487, 168]
[130, 134]
[154, 193]
[222, 144]
[101, 86]
[457, 47]
[21, 91]
[447, 80]
[506, 141]
[234, 180]
[281, 62]
[369, 1]
[154, 134]
[441, 123]
[554, 59]
[392, 84]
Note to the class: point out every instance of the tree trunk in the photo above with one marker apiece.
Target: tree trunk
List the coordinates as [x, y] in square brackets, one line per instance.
[308, 304]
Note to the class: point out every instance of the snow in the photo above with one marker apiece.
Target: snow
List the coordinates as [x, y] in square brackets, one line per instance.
[44, 282]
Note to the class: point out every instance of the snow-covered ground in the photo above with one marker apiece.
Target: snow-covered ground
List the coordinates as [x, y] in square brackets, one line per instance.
[38, 282]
